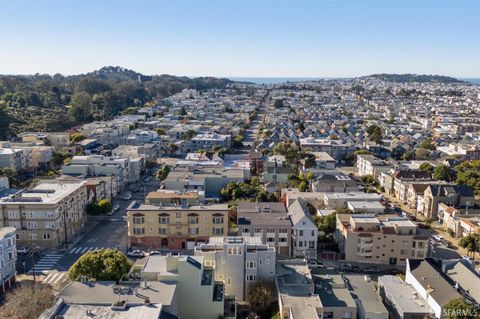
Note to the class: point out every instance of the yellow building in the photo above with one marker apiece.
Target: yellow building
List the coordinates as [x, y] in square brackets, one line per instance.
[175, 227]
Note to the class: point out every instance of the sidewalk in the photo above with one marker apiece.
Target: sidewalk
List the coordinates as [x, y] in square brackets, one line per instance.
[73, 241]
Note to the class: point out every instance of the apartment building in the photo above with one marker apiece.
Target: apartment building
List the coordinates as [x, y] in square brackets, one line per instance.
[207, 141]
[197, 293]
[42, 214]
[238, 261]
[452, 195]
[364, 238]
[175, 227]
[273, 228]
[8, 257]
[13, 158]
[335, 149]
[178, 198]
[99, 165]
[304, 230]
[370, 165]
[341, 200]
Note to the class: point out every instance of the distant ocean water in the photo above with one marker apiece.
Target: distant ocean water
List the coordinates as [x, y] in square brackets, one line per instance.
[475, 81]
[271, 80]
[267, 80]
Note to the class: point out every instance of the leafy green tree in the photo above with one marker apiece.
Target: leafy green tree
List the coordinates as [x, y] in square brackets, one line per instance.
[469, 174]
[427, 144]
[422, 154]
[100, 265]
[278, 103]
[10, 174]
[375, 133]
[327, 224]
[368, 179]
[238, 141]
[172, 148]
[443, 173]
[101, 207]
[81, 108]
[303, 186]
[471, 243]
[162, 173]
[426, 167]
[460, 309]
[77, 137]
[408, 156]
[160, 131]
[5, 120]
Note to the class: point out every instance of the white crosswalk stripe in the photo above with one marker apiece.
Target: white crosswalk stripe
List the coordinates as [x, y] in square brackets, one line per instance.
[45, 264]
[55, 278]
[84, 249]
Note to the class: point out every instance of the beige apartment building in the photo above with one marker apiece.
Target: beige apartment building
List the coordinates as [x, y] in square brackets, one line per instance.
[175, 226]
[42, 214]
[364, 238]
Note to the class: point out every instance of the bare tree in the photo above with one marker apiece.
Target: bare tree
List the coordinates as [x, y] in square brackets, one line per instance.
[27, 301]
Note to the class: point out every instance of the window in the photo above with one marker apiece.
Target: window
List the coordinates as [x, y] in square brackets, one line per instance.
[163, 231]
[251, 264]
[246, 230]
[218, 220]
[50, 225]
[139, 231]
[46, 236]
[193, 230]
[271, 230]
[32, 236]
[300, 243]
[234, 251]
[311, 244]
[210, 263]
[270, 239]
[178, 214]
[138, 220]
[313, 233]
[403, 252]
[9, 242]
[283, 230]
[251, 277]
[346, 315]
[258, 231]
[10, 255]
[300, 232]
[164, 220]
[282, 240]
[192, 220]
[217, 231]
[229, 281]
[327, 315]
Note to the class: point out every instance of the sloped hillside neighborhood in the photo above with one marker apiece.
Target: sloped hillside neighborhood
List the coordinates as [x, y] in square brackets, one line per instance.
[332, 199]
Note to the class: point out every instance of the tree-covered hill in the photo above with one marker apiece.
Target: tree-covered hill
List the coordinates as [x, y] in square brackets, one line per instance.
[422, 78]
[54, 103]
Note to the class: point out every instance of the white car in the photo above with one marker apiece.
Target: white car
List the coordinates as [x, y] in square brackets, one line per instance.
[136, 253]
[128, 197]
[437, 238]
[23, 250]
[115, 207]
[467, 258]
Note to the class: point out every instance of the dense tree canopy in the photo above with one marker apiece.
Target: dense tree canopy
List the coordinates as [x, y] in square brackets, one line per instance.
[469, 174]
[40, 102]
[460, 309]
[100, 265]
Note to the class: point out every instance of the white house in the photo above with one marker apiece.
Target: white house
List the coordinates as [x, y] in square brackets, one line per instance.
[305, 231]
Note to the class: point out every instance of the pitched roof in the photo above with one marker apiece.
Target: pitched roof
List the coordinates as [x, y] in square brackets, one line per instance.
[432, 279]
[297, 210]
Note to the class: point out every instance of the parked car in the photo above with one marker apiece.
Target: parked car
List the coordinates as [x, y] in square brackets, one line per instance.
[345, 267]
[422, 226]
[154, 252]
[467, 259]
[127, 197]
[437, 238]
[116, 207]
[136, 253]
[371, 269]
[23, 250]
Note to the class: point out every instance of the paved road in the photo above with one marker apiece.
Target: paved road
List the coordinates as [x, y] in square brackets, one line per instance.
[105, 232]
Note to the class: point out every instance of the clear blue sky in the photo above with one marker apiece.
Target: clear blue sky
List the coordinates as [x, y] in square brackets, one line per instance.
[296, 38]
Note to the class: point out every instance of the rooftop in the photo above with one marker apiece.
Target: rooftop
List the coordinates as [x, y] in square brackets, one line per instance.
[46, 193]
[362, 289]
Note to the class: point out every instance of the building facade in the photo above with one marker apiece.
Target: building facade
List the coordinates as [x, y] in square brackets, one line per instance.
[8, 257]
[47, 214]
[175, 227]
